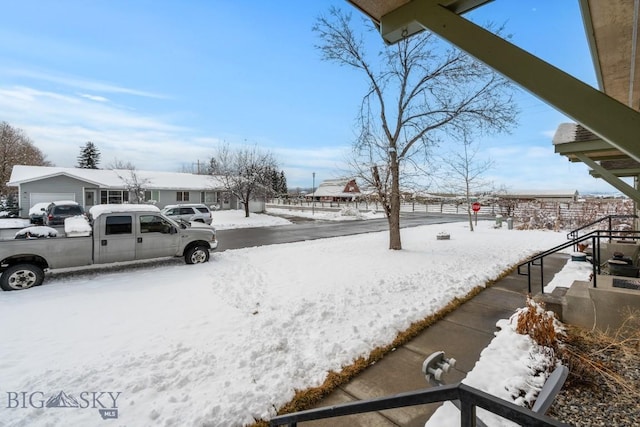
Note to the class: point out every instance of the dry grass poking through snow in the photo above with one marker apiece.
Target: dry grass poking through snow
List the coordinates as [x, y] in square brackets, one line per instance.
[603, 387]
[305, 399]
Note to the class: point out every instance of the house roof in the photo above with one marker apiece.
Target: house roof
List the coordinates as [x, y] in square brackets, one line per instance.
[115, 178]
[334, 188]
[541, 193]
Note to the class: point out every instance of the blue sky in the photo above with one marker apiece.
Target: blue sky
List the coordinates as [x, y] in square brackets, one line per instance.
[161, 83]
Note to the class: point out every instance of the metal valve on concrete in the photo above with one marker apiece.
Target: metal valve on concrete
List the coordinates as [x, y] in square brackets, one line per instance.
[435, 365]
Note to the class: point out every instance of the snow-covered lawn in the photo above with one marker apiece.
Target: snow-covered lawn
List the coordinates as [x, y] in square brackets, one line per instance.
[227, 342]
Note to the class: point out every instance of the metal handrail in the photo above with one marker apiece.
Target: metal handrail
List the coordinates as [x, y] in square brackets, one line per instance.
[594, 237]
[470, 398]
[574, 233]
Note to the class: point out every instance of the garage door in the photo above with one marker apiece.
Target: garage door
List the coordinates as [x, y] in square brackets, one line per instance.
[256, 206]
[50, 197]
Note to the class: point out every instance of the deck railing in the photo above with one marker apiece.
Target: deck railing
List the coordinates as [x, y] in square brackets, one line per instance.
[470, 399]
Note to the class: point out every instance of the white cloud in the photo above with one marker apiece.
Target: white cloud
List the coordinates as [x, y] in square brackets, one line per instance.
[59, 124]
[78, 83]
[94, 97]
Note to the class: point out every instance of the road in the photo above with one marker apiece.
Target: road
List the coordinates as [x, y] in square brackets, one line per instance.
[307, 230]
[311, 230]
[301, 230]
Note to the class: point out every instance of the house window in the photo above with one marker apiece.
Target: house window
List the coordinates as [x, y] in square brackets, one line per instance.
[182, 196]
[207, 197]
[118, 225]
[114, 197]
[152, 196]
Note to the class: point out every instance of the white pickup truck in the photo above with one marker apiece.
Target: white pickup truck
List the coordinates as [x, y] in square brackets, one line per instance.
[116, 233]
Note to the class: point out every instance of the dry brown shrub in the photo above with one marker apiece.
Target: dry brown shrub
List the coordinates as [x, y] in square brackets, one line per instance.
[539, 324]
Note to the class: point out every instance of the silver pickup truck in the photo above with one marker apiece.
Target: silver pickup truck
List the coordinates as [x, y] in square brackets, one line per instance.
[117, 233]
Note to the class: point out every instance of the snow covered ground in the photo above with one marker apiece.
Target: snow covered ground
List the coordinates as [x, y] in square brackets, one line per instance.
[227, 342]
[345, 214]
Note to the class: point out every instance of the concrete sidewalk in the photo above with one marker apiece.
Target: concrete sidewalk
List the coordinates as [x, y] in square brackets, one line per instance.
[462, 334]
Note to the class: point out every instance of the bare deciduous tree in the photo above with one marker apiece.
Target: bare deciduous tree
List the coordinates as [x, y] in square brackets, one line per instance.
[244, 172]
[463, 171]
[419, 91]
[16, 148]
[121, 164]
[132, 181]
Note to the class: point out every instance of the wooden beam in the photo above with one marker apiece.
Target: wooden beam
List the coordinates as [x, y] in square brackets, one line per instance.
[616, 182]
[611, 120]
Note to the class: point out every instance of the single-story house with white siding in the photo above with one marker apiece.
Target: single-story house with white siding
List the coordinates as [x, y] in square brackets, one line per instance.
[90, 187]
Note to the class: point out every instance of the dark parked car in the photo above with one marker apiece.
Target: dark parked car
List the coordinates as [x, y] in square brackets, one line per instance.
[58, 211]
[37, 213]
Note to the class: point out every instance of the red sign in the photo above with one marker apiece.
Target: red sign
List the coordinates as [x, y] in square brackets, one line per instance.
[475, 206]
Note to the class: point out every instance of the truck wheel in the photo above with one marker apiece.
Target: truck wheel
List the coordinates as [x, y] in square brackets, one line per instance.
[21, 276]
[197, 255]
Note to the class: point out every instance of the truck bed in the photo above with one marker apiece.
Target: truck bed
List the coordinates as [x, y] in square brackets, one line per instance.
[59, 252]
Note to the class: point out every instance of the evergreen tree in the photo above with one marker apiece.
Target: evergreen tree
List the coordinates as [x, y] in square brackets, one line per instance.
[283, 184]
[275, 181]
[278, 182]
[11, 206]
[89, 156]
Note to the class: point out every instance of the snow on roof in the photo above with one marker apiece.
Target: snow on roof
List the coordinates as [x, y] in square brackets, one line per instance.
[334, 188]
[572, 132]
[340, 182]
[116, 178]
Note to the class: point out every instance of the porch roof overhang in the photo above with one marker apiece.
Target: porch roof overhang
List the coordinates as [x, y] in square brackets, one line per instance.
[572, 139]
[610, 113]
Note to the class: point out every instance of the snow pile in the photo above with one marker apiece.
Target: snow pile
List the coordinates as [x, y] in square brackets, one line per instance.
[350, 211]
[226, 342]
[77, 226]
[512, 367]
[511, 363]
[573, 270]
[225, 220]
[36, 232]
